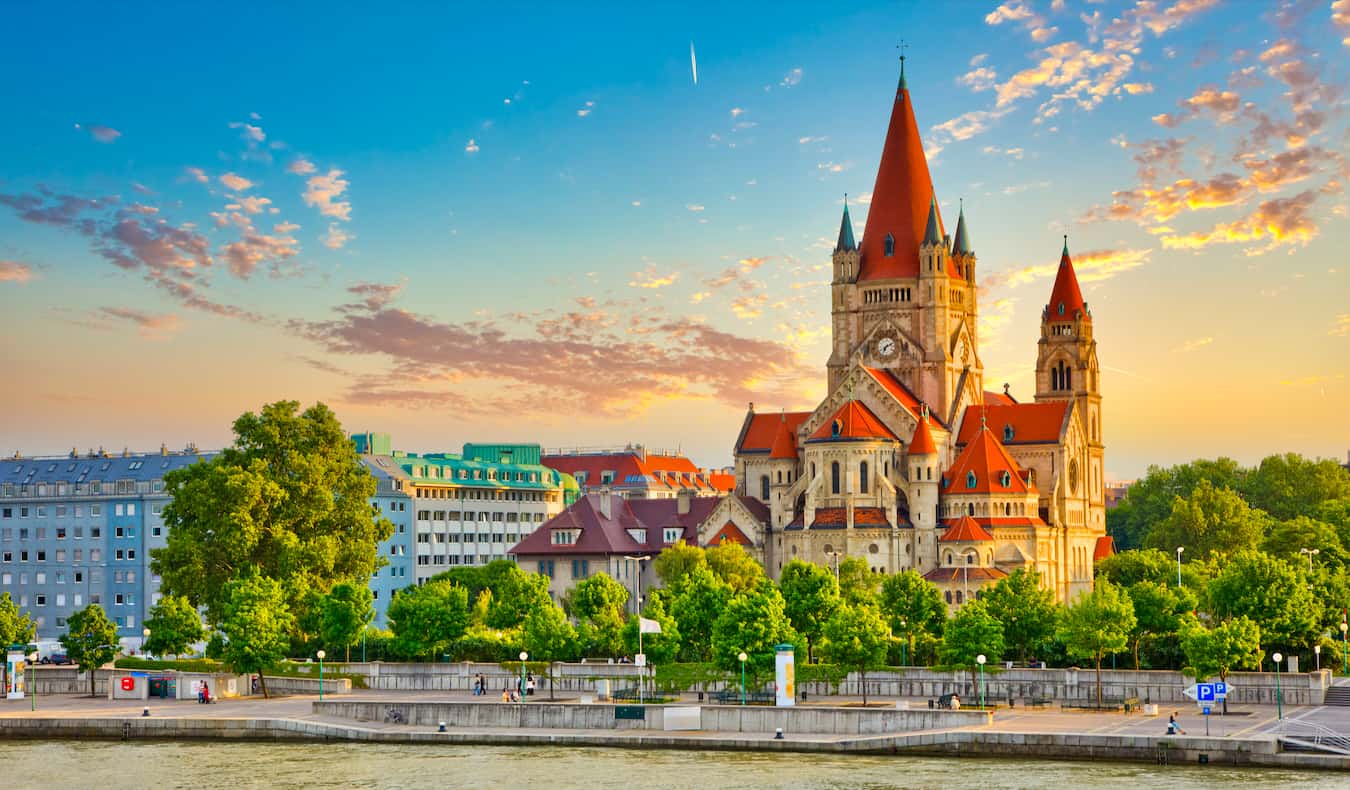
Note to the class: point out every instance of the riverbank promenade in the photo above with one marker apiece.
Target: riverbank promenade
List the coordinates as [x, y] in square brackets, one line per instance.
[1249, 734]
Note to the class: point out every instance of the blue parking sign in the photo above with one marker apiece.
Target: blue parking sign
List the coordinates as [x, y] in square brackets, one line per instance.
[1204, 692]
[1220, 690]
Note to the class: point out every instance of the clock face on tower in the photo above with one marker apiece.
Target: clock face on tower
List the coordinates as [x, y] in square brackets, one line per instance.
[886, 347]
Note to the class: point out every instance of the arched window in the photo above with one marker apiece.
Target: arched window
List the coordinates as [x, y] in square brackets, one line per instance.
[970, 559]
[970, 479]
[836, 428]
[1054, 378]
[834, 477]
[949, 596]
[949, 559]
[959, 597]
[780, 476]
[890, 246]
[764, 488]
[930, 473]
[1061, 308]
[1068, 378]
[1007, 509]
[862, 477]
[972, 508]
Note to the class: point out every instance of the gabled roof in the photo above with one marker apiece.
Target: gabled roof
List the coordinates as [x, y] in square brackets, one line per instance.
[761, 429]
[634, 469]
[966, 528]
[900, 199]
[900, 392]
[998, 399]
[972, 573]
[785, 443]
[853, 420]
[922, 443]
[1030, 423]
[1104, 548]
[600, 535]
[1066, 299]
[984, 467]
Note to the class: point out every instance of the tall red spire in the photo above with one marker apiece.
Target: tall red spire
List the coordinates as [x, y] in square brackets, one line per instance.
[900, 198]
[1066, 299]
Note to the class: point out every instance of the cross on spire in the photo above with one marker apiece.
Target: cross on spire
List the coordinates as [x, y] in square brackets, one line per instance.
[902, 46]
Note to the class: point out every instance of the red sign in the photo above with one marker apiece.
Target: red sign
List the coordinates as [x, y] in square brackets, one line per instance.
[128, 684]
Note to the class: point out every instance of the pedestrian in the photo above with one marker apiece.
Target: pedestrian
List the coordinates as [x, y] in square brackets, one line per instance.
[529, 684]
[506, 694]
[1173, 728]
[206, 694]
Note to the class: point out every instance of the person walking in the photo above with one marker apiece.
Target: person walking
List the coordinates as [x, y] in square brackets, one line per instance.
[529, 684]
[1173, 728]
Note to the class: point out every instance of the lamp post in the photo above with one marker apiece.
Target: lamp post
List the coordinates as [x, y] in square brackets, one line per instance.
[145, 637]
[904, 643]
[835, 556]
[1345, 652]
[32, 676]
[1179, 550]
[321, 656]
[637, 607]
[1279, 701]
[980, 659]
[523, 657]
[741, 657]
[1317, 652]
[1310, 553]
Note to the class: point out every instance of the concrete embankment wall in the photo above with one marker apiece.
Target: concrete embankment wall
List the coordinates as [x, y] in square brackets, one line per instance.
[288, 684]
[713, 718]
[1059, 685]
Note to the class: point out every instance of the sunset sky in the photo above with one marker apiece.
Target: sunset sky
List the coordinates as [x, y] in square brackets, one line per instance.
[516, 223]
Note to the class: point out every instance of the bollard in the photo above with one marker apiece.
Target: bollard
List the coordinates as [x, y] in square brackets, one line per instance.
[778, 734]
[145, 713]
[440, 726]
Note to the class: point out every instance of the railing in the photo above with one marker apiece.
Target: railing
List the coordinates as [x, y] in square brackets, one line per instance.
[1312, 735]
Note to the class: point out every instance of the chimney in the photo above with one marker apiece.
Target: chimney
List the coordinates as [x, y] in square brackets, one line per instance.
[682, 501]
[605, 508]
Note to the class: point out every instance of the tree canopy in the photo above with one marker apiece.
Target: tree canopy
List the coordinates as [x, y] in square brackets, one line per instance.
[857, 583]
[678, 561]
[856, 638]
[1211, 520]
[970, 633]
[427, 619]
[733, 565]
[16, 627]
[810, 595]
[1150, 499]
[1230, 645]
[1271, 593]
[347, 610]
[174, 626]
[698, 600]
[256, 622]
[90, 640]
[1097, 624]
[754, 622]
[1028, 612]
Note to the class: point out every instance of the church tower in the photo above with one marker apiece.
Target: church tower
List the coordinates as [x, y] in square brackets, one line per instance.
[842, 294]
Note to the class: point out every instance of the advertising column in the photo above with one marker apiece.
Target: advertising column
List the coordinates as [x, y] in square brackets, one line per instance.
[15, 661]
[786, 686]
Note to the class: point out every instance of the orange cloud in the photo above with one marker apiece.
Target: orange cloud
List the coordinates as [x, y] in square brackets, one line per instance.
[1090, 266]
[1278, 222]
[651, 278]
[15, 272]
[323, 191]
[151, 327]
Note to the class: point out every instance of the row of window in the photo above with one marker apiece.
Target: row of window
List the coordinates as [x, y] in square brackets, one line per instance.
[91, 488]
[77, 577]
[478, 474]
[475, 493]
[59, 600]
[456, 559]
[75, 511]
[883, 295]
[471, 537]
[469, 515]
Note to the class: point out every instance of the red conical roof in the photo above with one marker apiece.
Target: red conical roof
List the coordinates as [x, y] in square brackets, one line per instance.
[1066, 299]
[966, 528]
[922, 443]
[785, 443]
[900, 199]
[854, 421]
[984, 467]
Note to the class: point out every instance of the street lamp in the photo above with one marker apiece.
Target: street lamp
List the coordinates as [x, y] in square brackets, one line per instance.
[321, 656]
[1179, 550]
[904, 643]
[637, 607]
[835, 555]
[1345, 653]
[145, 637]
[32, 676]
[1317, 651]
[980, 659]
[1279, 701]
[1310, 553]
[741, 657]
[523, 657]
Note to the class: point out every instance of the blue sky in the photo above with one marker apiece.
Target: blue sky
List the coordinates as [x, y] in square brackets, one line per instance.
[554, 235]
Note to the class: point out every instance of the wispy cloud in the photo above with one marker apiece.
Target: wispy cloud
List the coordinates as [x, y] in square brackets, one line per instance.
[323, 191]
[196, 174]
[150, 326]
[336, 237]
[15, 272]
[471, 147]
[235, 183]
[792, 78]
[102, 134]
[584, 110]
[1194, 344]
[1090, 266]
[650, 277]
[1274, 223]
[695, 207]
[301, 167]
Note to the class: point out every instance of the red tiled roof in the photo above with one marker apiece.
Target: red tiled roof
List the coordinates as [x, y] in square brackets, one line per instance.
[724, 483]
[1066, 299]
[971, 573]
[631, 469]
[966, 528]
[729, 533]
[830, 517]
[922, 443]
[762, 428]
[1032, 423]
[900, 199]
[993, 522]
[1105, 548]
[600, 535]
[785, 443]
[987, 460]
[998, 399]
[853, 421]
[869, 517]
[898, 391]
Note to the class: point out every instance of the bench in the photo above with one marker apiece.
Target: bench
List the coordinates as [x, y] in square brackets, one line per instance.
[1126, 704]
[733, 697]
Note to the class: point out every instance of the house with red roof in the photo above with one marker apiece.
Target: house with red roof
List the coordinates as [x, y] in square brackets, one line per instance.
[909, 462]
[635, 472]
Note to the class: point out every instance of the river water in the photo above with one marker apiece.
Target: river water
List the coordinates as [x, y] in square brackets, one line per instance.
[200, 765]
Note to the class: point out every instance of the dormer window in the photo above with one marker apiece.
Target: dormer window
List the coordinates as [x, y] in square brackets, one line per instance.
[836, 428]
[1006, 479]
[890, 250]
[672, 534]
[564, 537]
[1061, 308]
[970, 479]
[1008, 433]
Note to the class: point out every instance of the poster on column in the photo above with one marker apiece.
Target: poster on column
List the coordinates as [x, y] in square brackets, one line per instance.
[15, 671]
[784, 675]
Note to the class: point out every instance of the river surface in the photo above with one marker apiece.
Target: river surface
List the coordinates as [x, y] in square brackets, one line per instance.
[199, 765]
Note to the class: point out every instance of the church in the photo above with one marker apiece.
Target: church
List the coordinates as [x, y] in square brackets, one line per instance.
[909, 462]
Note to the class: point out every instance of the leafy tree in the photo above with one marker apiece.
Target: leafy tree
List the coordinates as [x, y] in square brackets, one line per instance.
[1097, 623]
[678, 561]
[857, 583]
[810, 595]
[16, 627]
[1159, 610]
[547, 636]
[1287, 539]
[659, 648]
[515, 593]
[1230, 645]
[598, 603]
[90, 640]
[1150, 500]
[473, 578]
[856, 639]
[731, 564]
[1127, 568]
[1212, 520]
[755, 622]
[347, 610]
[174, 625]
[427, 619]
[1027, 611]
[289, 501]
[256, 622]
[971, 632]
[912, 606]
[699, 599]
[1287, 486]
[1270, 592]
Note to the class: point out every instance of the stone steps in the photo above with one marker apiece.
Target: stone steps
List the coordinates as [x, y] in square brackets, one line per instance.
[1338, 696]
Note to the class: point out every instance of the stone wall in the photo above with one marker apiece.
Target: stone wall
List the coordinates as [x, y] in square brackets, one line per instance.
[284, 684]
[460, 676]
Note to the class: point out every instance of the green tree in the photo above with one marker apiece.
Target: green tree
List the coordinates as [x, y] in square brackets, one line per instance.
[856, 639]
[1126, 568]
[427, 619]
[857, 583]
[598, 604]
[972, 632]
[347, 610]
[811, 595]
[1270, 592]
[730, 563]
[699, 599]
[174, 625]
[1096, 624]
[1159, 611]
[475, 579]
[90, 640]
[256, 624]
[1287, 486]
[754, 622]
[16, 627]
[515, 593]
[678, 561]
[912, 606]
[659, 648]
[547, 636]
[1289, 539]
[1230, 645]
[289, 501]
[1150, 499]
[1211, 520]
[1028, 612]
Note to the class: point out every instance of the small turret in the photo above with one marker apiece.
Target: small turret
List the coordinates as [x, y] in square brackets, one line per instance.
[845, 243]
[963, 255]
